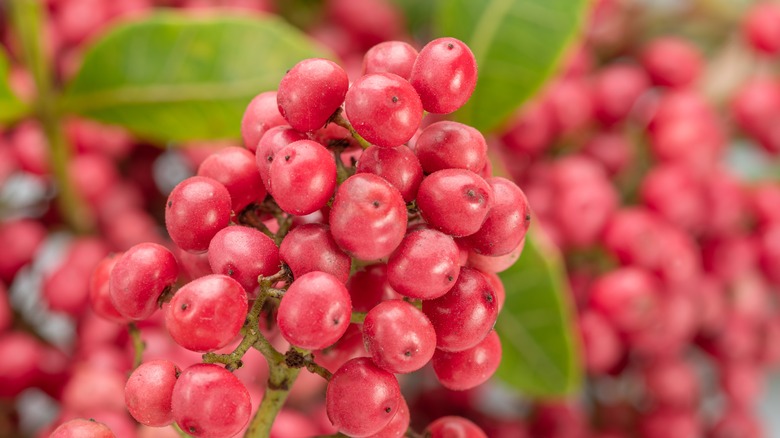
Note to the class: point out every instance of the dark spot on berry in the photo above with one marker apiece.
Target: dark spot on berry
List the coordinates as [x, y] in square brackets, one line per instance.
[170, 204]
[184, 306]
[450, 46]
[388, 409]
[471, 193]
[286, 158]
[488, 297]
[230, 272]
[395, 99]
[527, 217]
[336, 321]
[408, 353]
[450, 278]
[288, 71]
[192, 429]
[375, 204]
[270, 159]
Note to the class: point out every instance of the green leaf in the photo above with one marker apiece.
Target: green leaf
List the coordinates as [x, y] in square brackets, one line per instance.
[517, 44]
[176, 77]
[540, 348]
[418, 14]
[11, 108]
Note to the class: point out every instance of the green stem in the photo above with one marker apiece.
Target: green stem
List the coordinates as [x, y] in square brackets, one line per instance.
[178, 430]
[138, 344]
[27, 17]
[339, 119]
[357, 317]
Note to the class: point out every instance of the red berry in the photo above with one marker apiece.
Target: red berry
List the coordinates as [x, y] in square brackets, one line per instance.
[311, 247]
[368, 217]
[395, 57]
[445, 75]
[466, 314]
[235, 168]
[760, 27]
[425, 265]
[369, 286]
[451, 145]
[469, 368]
[455, 201]
[452, 426]
[139, 277]
[398, 165]
[260, 115]
[362, 398]
[627, 297]
[210, 402]
[384, 109]
[270, 144]
[505, 224]
[672, 62]
[81, 428]
[207, 313]
[398, 336]
[243, 254]
[197, 209]
[303, 177]
[315, 311]
[616, 89]
[311, 92]
[148, 392]
[99, 291]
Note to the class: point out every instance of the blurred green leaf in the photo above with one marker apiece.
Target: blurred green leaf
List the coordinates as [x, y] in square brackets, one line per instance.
[540, 348]
[517, 43]
[11, 108]
[418, 14]
[174, 77]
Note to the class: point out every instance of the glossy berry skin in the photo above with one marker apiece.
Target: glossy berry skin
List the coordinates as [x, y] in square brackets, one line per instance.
[505, 224]
[197, 209]
[672, 62]
[303, 177]
[395, 57]
[452, 426]
[260, 115]
[311, 92]
[362, 398]
[425, 265]
[99, 290]
[210, 402]
[455, 201]
[368, 217]
[139, 277]
[235, 168]
[760, 28]
[243, 253]
[398, 165]
[82, 428]
[466, 314]
[148, 392]
[311, 247]
[270, 144]
[451, 145]
[444, 74]
[384, 109]
[671, 383]
[207, 313]
[398, 336]
[470, 368]
[398, 426]
[315, 311]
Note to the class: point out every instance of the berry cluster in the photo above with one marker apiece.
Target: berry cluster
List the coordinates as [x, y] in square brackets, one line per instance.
[671, 255]
[291, 242]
